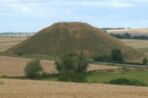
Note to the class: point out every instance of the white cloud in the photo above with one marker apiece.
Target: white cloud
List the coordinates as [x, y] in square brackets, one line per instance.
[108, 3]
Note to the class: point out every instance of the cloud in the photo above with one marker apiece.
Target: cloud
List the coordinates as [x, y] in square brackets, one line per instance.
[108, 4]
[98, 12]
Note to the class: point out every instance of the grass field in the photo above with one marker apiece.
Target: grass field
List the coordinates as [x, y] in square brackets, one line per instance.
[107, 76]
[10, 88]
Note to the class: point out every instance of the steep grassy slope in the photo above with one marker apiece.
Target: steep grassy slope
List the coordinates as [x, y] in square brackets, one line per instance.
[61, 38]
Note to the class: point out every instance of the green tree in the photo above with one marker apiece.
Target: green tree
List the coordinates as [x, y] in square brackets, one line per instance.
[117, 56]
[145, 61]
[72, 68]
[33, 69]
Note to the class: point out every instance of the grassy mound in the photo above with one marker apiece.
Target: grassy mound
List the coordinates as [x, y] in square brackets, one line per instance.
[63, 38]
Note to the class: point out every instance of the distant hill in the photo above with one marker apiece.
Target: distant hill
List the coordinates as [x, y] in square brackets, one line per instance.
[67, 37]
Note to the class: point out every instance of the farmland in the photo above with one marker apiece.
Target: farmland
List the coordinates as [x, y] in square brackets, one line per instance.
[73, 49]
[11, 88]
[15, 88]
[108, 76]
[15, 66]
[7, 42]
[140, 45]
[9, 68]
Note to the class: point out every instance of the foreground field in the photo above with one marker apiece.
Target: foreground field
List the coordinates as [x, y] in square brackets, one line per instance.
[10, 88]
[12, 66]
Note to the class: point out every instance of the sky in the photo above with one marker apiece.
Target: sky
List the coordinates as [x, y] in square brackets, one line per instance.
[33, 15]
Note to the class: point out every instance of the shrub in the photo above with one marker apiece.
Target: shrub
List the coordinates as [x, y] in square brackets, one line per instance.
[19, 53]
[102, 58]
[72, 68]
[123, 81]
[33, 69]
[145, 61]
[117, 56]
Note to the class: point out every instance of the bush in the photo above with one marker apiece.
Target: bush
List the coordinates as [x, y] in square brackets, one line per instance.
[33, 69]
[19, 53]
[123, 81]
[145, 61]
[117, 56]
[72, 68]
[103, 58]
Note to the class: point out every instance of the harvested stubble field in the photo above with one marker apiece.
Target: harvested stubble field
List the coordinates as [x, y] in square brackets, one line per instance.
[7, 42]
[43, 89]
[13, 66]
[136, 43]
[140, 45]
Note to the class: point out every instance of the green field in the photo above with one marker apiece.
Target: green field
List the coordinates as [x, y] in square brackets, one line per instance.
[103, 77]
[97, 77]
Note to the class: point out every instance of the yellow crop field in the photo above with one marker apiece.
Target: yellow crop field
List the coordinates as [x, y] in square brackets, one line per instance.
[10, 88]
[13, 66]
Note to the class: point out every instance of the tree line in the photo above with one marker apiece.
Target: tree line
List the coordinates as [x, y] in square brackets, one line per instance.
[129, 36]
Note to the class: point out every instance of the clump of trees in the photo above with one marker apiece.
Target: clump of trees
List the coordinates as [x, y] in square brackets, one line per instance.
[19, 53]
[102, 58]
[145, 61]
[33, 69]
[115, 56]
[72, 68]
